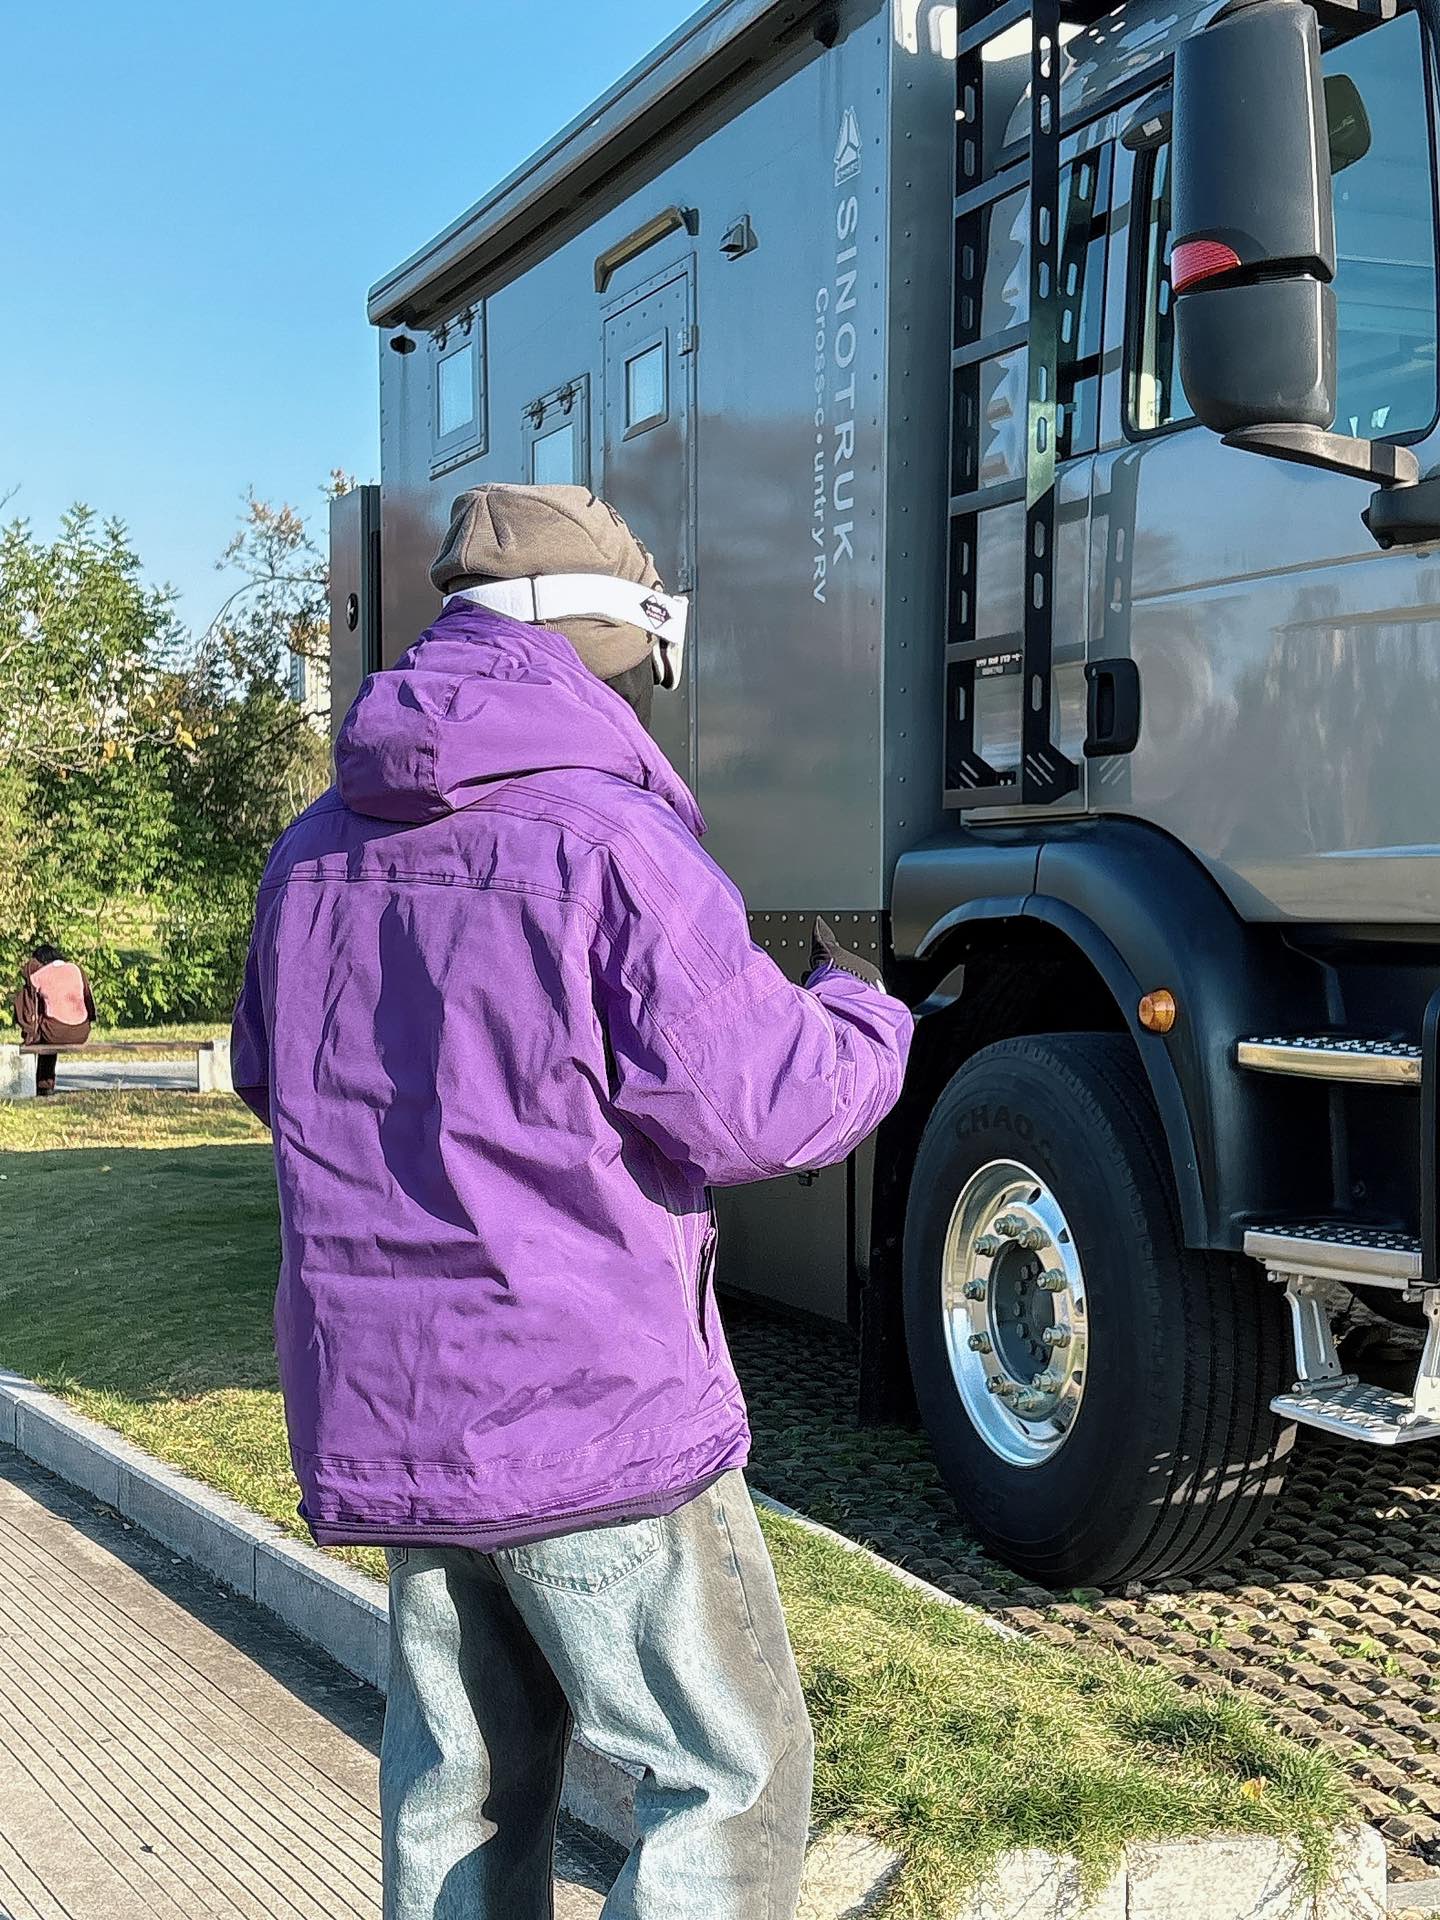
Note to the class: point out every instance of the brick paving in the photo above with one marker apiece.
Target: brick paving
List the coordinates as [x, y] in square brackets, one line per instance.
[1332, 1619]
[167, 1749]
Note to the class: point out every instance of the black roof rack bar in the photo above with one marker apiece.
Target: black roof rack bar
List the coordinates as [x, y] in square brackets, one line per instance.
[994, 343]
[995, 793]
[1003, 493]
[1008, 14]
[1010, 180]
[1003, 646]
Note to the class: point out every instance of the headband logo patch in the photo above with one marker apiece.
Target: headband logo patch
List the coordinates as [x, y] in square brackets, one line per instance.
[656, 612]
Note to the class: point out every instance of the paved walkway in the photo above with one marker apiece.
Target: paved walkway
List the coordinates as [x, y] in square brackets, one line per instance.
[168, 1750]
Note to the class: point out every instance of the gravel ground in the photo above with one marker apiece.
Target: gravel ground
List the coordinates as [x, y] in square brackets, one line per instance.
[1333, 1617]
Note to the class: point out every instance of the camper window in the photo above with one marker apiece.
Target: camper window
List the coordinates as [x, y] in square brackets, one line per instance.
[646, 399]
[552, 457]
[457, 390]
[555, 436]
[1385, 283]
[457, 415]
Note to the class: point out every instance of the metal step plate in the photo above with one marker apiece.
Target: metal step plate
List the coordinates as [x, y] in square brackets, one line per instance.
[1369, 1256]
[1378, 1063]
[1355, 1411]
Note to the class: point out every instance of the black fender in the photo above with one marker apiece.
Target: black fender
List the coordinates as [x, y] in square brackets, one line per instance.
[1145, 914]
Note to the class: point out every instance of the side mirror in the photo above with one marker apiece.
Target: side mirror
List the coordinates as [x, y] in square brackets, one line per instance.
[1254, 221]
[1350, 132]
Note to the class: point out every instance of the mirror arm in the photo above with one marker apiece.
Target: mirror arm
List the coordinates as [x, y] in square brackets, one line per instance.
[1347, 17]
[1403, 512]
[1377, 460]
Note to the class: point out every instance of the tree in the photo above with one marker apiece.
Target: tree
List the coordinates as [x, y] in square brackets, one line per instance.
[83, 639]
[281, 610]
[248, 756]
[80, 637]
[144, 777]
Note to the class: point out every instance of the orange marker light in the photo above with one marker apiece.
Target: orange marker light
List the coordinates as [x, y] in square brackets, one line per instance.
[1158, 1011]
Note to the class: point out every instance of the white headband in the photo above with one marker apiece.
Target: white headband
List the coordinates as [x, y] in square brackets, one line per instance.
[570, 596]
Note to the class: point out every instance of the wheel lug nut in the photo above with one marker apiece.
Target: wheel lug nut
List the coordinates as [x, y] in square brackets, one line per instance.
[988, 1245]
[1000, 1385]
[980, 1343]
[1056, 1336]
[1011, 1225]
[975, 1289]
[1052, 1280]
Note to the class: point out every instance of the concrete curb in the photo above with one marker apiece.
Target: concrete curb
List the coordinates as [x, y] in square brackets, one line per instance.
[1227, 1877]
[889, 1567]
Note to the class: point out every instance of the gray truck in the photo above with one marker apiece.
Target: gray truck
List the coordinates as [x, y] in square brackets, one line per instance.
[1038, 408]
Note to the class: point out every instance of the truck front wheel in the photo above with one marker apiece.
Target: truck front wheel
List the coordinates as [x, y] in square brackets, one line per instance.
[1097, 1395]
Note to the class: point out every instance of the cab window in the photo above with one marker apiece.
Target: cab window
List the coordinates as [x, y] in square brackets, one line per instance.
[1385, 284]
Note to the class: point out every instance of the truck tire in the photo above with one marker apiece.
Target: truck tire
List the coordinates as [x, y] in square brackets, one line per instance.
[1097, 1395]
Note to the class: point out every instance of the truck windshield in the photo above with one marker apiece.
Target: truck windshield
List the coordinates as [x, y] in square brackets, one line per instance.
[1385, 242]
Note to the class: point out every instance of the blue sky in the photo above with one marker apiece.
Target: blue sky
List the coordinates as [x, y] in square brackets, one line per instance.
[198, 196]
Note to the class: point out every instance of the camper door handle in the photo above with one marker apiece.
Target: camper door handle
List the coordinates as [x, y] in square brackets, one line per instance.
[672, 220]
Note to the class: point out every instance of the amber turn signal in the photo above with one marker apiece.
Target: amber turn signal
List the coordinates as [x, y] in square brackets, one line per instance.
[1158, 1011]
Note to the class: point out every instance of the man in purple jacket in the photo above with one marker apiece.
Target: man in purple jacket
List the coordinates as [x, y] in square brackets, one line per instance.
[506, 1023]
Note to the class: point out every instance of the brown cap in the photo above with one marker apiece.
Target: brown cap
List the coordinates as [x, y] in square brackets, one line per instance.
[510, 533]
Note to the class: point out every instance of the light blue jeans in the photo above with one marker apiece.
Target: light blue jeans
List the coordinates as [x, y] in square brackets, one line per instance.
[663, 1644]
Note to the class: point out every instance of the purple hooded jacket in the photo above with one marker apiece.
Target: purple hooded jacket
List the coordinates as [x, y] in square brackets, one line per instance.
[505, 1021]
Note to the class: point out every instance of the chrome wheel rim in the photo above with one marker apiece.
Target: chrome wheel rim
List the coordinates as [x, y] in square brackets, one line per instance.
[1015, 1315]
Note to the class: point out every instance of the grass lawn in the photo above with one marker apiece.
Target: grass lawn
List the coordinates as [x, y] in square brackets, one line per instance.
[137, 1263]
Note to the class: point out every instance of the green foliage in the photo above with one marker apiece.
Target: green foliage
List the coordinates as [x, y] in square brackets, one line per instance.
[143, 777]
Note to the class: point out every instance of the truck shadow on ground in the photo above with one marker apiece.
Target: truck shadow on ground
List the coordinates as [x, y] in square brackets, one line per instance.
[1331, 1616]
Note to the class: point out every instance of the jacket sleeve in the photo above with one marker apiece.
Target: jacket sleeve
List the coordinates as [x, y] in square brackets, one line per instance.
[250, 1043]
[733, 1071]
[90, 1012]
[27, 1012]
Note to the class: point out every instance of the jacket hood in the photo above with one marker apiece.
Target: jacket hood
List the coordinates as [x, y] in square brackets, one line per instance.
[479, 700]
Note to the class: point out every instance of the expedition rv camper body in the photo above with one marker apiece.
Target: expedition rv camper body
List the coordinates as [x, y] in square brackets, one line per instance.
[1115, 741]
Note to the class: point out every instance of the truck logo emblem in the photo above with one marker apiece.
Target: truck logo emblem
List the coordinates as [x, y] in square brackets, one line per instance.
[656, 612]
[847, 147]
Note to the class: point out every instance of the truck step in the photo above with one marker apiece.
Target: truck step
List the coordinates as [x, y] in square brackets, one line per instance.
[1355, 1411]
[1366, 1256]
[1334, 1056]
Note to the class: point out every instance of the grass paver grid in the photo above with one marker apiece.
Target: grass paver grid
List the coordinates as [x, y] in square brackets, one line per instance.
[1332, 1618]
[137, 1255]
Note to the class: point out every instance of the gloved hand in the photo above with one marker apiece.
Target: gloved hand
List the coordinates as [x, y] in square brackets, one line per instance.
[825, 950]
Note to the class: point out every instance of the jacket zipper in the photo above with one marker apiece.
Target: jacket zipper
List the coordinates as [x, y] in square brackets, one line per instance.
[705, 1276]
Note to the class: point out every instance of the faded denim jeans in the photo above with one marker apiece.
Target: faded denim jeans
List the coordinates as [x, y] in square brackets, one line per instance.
[662, 1642]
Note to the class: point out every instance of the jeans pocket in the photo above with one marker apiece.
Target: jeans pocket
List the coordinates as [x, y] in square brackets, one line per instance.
[587, 1561]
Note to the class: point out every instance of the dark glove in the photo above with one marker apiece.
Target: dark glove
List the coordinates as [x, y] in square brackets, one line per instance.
[826, 950]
